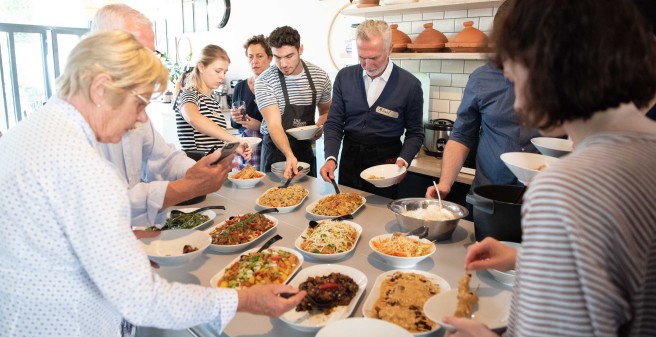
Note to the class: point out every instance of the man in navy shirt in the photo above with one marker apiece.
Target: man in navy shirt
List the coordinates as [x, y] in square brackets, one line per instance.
[374, 103]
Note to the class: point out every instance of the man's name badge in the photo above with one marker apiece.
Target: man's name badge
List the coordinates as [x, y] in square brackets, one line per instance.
[387, 112]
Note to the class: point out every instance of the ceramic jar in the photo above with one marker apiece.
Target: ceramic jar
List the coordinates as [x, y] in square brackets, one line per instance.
[469, 39]
[400, 39]
[429, 40]
[367, 3]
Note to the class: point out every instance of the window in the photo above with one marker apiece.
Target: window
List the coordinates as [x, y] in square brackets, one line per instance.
[31, 57]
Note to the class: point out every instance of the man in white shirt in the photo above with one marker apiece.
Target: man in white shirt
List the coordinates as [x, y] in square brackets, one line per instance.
[157, 174]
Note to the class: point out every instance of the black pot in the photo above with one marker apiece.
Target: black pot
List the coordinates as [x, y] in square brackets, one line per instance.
[497, 212]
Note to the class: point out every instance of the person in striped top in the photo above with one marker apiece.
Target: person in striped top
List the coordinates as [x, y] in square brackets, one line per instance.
[288, 94]
[198, 118]
[586, 267]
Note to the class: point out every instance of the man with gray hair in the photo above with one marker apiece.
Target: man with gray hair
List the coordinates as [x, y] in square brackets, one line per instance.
[157, 174]
[374, 104]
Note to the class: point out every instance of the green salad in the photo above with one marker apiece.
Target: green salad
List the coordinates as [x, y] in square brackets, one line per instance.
[182, 221]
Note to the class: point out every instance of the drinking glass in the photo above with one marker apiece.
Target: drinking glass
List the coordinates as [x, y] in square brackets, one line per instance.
[239, 107]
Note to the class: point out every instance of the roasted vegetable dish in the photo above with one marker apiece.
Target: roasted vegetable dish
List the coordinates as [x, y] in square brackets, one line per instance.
[338, 204]
[241, 229]
[270, 266]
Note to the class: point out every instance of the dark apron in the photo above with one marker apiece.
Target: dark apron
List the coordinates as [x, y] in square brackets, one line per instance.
[293, 116]
[359, 153]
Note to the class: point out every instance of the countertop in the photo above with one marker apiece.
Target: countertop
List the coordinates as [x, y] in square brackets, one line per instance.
[374, 217]
[432, 166]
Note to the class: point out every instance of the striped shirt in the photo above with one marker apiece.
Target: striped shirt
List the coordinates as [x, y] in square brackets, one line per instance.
[587, 264]
[269, 92]
[190, 138]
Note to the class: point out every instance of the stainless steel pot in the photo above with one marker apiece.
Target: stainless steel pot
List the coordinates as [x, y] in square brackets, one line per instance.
[497, 212]
[438, 230]
[436, 134]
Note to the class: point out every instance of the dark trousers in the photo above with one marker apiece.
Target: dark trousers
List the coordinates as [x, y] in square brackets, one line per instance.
[359, 154]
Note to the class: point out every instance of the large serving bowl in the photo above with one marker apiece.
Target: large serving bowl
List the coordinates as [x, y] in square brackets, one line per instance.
[438, 230]
[555, 147]
[245, 183]
[526, 165]
[167, 248]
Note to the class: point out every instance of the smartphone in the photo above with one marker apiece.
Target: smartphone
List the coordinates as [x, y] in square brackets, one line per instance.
[227, 150]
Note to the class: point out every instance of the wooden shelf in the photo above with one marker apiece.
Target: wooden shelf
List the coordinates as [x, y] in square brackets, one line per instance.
[420, 7]
[440, 56]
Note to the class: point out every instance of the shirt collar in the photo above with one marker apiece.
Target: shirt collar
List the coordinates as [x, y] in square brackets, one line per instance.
[386, 74]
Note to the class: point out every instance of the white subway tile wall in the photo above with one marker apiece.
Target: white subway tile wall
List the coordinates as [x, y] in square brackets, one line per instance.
[447, 77]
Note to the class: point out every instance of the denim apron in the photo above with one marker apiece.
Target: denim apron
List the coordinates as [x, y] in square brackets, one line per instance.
[293, 116]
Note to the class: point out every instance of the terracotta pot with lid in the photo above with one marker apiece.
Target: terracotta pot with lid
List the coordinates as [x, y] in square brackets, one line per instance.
[367, 3]
[469, 39]
[430, 40]
[400, 39]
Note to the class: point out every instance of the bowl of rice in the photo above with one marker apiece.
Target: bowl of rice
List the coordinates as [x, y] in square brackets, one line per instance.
[441, 218]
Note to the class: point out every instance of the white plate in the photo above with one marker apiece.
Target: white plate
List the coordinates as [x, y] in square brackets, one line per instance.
[304, 132]
[302, 320]
[253, 141]
[328, 257]
[492, 308]
[286, 209]
[360, 326]
[236, 248]
[311, 206]
[375, 292]
[215, 279]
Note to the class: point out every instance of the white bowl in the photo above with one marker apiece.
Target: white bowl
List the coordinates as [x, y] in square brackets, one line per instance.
[253, 141]
[389, 172]
[360, 326]
[304, 132]
[526, 165]
[506, 277]
[328, 257]
[555, 147]
[400, 261]
[166, 248]
[279, 170]
[244, 183]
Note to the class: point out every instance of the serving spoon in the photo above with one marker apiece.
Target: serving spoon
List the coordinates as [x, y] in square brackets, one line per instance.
[290, 178]
[335, 185]
[421, 232]
[269, 243]
[313, 223]
[202, 209]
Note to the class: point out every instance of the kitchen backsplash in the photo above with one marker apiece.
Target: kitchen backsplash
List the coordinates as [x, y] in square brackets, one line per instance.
[447, 77]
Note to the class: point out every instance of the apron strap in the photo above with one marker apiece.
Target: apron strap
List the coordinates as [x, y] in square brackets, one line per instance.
[283, 85]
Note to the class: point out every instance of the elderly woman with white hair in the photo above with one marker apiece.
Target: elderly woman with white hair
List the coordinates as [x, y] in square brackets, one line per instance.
[69, 261]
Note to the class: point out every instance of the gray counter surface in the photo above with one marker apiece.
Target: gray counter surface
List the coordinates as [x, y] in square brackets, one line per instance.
[374, 217]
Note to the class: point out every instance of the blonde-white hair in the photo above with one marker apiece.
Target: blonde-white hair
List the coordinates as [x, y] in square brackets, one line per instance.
[370, 28]
[118, 54]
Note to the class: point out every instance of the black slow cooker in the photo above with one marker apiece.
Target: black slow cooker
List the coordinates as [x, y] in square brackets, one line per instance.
[436, 134]
[497, 212]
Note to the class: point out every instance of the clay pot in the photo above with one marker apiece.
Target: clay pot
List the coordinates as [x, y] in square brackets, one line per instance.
[469, 39]
[367, 3]
[428, 41]
[430, 36]
[400, 39]
[469, 34]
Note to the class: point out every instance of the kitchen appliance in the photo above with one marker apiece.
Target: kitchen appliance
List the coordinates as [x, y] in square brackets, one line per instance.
[436, 134]
[497, 212]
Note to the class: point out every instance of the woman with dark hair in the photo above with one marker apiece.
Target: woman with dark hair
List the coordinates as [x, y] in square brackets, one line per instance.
[259, 58]
[586, 267]
[198, 118]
